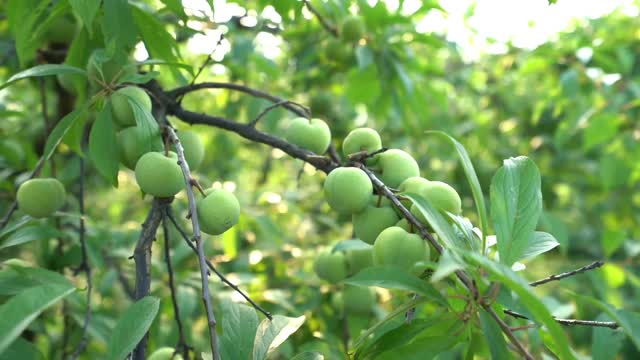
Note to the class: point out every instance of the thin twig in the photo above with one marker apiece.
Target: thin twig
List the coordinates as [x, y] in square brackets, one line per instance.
[276, 105]
[361, 156]
[206, 297]
[84, 266]
[325, 24]
[556, 277]
[204, 64]
[507, 330]
[222, 278]
[182, 340]
[569, 322]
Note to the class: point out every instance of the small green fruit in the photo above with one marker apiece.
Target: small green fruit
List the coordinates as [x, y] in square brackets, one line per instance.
[358, 299]
[369, 223]
[348, 190]
[358, 259]
[379, 201]
[442, 197]
[164, 353]
[396, 247]
[133, 142]
[193, 148]
[62, 30]
[123, 113]
[331, 267]
[337, 301]
[352, 28]
[218, 211]
[41, 197]
[396, 166]
[362, 139]
[321, 104]
[405, 225]
[313, 135]
[337, 51]
[415, 185]
[159, 175]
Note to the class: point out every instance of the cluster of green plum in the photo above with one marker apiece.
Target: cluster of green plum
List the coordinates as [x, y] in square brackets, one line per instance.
[348, 190]
[351, 30]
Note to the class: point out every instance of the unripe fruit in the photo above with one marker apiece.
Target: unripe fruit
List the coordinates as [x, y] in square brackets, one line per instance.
[218, 211]
[369, 223]
[415, 185]
[362, 139]
[352, 28]
[164, 353]
[348, 190]
[337, 301]
[62, 30]
[159, 175]
[123, 113]
[405, 225]
[313, 135]
[358, 259]
[321, 104]
[380, 200]
[337, 51]
[133, 142]
[441, 196]
[396, 247]
[396, 166]
[41, 197]
[193, 148]
[331, 267]
[358, 299]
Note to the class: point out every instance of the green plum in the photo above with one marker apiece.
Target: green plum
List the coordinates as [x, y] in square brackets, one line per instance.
[133, 142]
[358, 259]
[348, 190]
[41, 197]
[331, 267]
[396, 166]
[372, 220]
[442, 197]
[159, 175]
[164, 353]
[123, 113]
[362, 139]
[193, 148]
[218, 211]
[313, 135]
[396, 247]
[358, 299]
[352, 28]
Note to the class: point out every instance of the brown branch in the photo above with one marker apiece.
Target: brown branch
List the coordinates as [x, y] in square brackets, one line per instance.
[569, 322]
[182, 340]
[507, 330]
[222, 278]
[556, 277]
[206, 298]
[325, 24]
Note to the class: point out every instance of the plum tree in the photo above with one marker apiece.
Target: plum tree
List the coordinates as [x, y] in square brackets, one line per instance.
[41, 197]
[396, 166]
[133, 142]
[218, 211]
[396, 247]
[348, 190]
[358, 259]
[164, 353]
[358, 299]
[123, 113]
[159, 175]
[370, 222]
[313, 135]
[193, 148]
[352, 28]
[331, 267]
[441, 196]
[362, 139]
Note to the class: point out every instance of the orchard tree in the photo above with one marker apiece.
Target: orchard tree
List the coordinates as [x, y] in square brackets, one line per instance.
[289, 163]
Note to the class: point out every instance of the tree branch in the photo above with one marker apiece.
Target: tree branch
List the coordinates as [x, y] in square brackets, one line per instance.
[507, 330]
[556, 277]
[222, 278]
[569, 322]
[182, 340]
[325, 24]
[206, 298]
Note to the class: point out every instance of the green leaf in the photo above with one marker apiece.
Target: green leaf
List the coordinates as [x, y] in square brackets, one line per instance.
[353, 244]
[601, 128]
[240, 323]
[472, 179]
[187, 67]
[131, 327]
[422, 349]
[390, 277]
[437, 221]
[22, 309]
[61, 129]
[272, 333]
[23, 16]
[363, 85]
[606, 343]
[176, 7]
[103, 148]
[540, 243]
[157, 40]
[516, 205]
[308, 355]
[491, 330]
[13, 226]
[86, 11]
[43, 70]
[30, 233]
[527, 297]
[448, 264]
[118, 25]
[21, 349]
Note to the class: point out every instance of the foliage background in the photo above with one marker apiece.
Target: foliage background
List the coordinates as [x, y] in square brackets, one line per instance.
[570, 104]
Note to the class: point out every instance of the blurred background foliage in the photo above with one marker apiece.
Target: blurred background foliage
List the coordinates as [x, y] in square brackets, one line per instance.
[571, 104]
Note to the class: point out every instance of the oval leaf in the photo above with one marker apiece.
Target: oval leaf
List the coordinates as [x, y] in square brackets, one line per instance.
[43, 70]
[240, 323]
[272, 333]
[61, 129]
[103, 146]
[131, 327]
